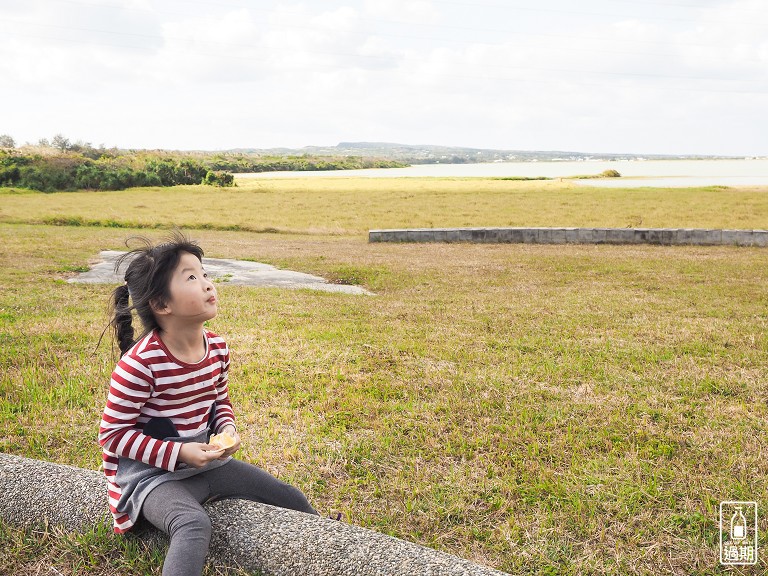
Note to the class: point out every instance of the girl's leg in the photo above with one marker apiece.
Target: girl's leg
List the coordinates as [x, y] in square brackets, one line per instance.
[174, 507]
[238, 479]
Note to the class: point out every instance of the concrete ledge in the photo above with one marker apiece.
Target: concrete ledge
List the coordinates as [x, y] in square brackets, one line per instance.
[252, 536]
[659, 236]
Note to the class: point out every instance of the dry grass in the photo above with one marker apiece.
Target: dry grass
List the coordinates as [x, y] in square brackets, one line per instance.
[540, 409]
[345, 206]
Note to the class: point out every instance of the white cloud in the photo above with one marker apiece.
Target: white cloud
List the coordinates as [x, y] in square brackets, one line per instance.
[594, 76]
[414, 11]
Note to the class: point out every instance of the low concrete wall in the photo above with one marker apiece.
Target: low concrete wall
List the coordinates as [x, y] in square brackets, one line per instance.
[256, 537]
[662, 236]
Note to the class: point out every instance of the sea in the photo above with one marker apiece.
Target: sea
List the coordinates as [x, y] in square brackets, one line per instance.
[634, 173]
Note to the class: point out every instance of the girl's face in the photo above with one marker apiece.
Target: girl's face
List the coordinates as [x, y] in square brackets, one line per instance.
[193, 295]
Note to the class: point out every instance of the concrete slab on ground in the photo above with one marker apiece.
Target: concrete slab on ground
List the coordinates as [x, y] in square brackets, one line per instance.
[224, 271]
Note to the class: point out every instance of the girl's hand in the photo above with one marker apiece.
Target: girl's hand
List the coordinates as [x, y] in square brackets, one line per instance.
[229, 429]
[197, 454]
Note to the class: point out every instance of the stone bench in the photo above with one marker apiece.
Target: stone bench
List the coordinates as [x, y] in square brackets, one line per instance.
[661, 236]
[256, 537]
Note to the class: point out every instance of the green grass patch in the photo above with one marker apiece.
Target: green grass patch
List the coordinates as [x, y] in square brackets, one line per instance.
[98, 552]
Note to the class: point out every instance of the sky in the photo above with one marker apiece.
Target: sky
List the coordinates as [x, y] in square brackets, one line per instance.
[623, 76]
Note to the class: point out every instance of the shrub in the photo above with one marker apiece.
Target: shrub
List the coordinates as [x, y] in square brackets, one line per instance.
[218, 178]
[9, 175]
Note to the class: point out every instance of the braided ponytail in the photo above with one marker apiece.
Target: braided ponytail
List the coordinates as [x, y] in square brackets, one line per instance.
[122, 319]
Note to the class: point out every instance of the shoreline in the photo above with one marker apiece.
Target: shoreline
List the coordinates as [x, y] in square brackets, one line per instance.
[656, 173]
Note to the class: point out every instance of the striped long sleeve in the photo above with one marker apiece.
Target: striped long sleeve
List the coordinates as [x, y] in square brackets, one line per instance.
[148, 382]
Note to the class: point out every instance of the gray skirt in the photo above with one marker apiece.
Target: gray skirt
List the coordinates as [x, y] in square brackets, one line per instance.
[137, 479]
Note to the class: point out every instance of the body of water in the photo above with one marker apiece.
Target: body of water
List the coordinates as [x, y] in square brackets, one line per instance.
[635, 173]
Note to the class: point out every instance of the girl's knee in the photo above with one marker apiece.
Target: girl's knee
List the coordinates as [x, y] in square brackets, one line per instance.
[191, 525]
[296, 500]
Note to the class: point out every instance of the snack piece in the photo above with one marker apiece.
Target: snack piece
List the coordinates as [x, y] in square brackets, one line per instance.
[223, 441]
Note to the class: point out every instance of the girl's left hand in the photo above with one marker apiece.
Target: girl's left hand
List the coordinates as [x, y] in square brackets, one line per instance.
[232, 449]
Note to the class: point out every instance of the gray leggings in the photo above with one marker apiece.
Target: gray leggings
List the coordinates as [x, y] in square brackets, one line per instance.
[175, 508]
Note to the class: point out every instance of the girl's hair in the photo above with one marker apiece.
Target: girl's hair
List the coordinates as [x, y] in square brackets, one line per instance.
[147, 281]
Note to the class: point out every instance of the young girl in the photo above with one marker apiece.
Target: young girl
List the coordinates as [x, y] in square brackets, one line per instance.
[167, 395]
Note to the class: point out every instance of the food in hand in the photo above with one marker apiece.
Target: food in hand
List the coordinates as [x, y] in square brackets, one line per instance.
[223, 441]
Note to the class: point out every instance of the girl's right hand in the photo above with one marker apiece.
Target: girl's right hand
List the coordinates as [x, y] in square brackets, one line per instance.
[197, 454]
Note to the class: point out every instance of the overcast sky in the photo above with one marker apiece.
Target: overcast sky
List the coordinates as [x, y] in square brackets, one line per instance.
[643, 76]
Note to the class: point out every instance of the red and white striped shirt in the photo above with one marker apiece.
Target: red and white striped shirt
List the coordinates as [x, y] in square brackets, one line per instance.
[149, 382]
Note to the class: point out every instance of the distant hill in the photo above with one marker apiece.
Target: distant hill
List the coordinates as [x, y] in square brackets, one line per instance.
[430, 154]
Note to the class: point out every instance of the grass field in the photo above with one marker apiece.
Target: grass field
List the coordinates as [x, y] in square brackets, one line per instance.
[351, 206]
[538, 409]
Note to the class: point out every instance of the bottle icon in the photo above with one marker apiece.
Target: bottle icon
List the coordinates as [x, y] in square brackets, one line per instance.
[738, 526]
[738, 541]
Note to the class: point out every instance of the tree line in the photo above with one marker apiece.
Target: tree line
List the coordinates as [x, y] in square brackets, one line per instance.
[243, 163]
[62, 165]
[74, 171]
